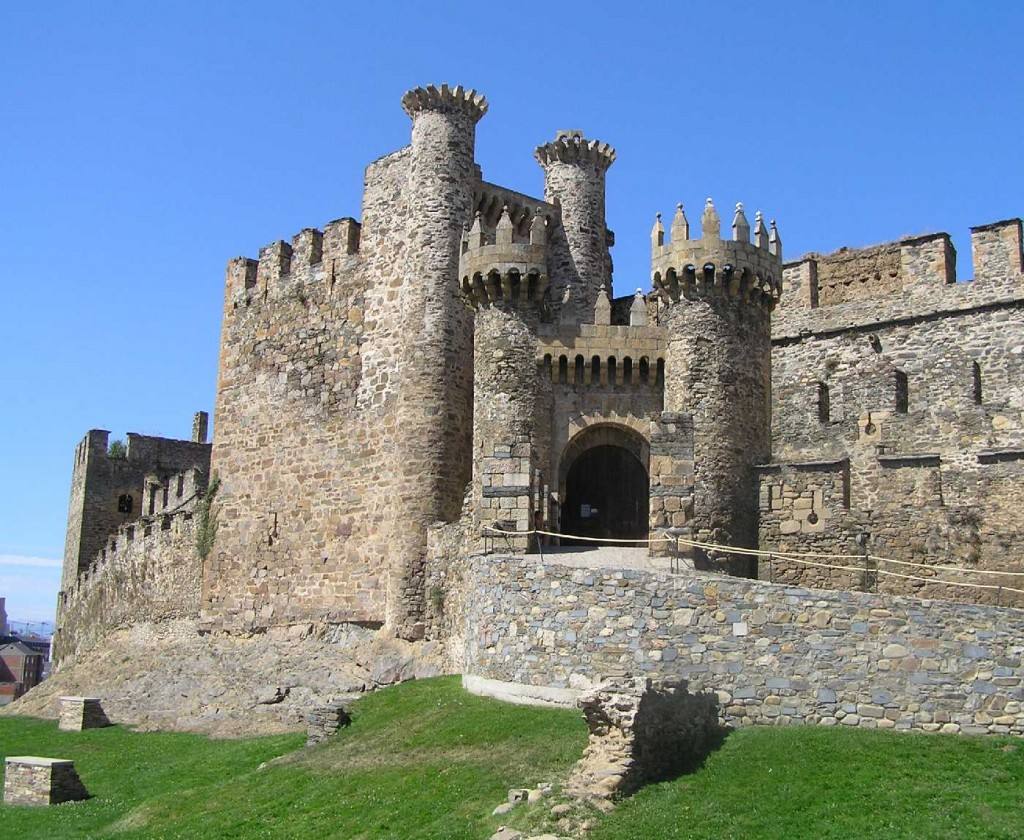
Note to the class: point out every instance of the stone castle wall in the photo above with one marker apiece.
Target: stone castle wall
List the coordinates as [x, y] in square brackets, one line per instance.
[771, 653]
[149, 571]
[898, 421]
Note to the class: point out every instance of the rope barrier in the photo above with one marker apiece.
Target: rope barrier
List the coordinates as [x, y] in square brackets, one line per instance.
[796, 557]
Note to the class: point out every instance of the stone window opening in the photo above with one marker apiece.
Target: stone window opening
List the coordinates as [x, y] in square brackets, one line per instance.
[547, 366]
[627, 370]
[124, 503]
[645, 370]
[824, 404]
[166, 492]
[563, 370]
[612, 371]
[660, 375]
[579, 372]
[152, 499]
[181, 486]
[902, 393]
[976, 374]
[595, 370]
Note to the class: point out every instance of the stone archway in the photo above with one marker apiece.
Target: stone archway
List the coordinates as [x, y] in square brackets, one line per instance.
[604, 484]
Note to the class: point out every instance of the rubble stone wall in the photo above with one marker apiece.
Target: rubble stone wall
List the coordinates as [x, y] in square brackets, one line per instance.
[772, 653]
[149, 572]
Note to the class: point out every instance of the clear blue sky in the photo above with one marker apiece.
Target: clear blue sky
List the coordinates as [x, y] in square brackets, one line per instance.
[142, 145]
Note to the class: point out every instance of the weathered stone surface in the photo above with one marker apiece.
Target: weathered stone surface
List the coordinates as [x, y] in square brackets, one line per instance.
[787, 669]
[30, 780]
[78, 713]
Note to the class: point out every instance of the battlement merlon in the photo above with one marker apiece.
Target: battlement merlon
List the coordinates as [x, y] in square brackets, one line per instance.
[444, 99]
[570, 146]
[683, 267]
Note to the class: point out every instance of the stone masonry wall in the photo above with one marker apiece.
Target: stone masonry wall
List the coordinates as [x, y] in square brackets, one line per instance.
[913, 403]
[773, 653]
[149, 572]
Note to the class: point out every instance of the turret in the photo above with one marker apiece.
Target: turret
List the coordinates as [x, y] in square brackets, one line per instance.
[505, 282]
[574, 178]
[436, 386]
[719, 295]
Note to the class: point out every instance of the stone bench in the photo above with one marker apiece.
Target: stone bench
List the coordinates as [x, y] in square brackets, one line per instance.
[78, 713]
[30, 780]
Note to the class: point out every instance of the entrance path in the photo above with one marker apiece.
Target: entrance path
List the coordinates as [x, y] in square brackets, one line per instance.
[602, 557]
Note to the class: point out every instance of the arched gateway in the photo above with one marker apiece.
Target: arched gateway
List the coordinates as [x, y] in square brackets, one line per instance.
[604, 482]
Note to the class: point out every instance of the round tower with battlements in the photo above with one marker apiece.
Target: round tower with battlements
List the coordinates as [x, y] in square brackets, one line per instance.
[574, 178]
[432, 452]
[505, 278]
[719, 294]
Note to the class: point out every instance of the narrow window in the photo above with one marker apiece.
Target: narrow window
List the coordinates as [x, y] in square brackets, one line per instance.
[181, 486]
[595, 370]
[124, 503]
[902, 393]
[547, 366]
[627, 370]
[563, 370]
[166, 492]
[645, 369]
[976, 371]
[824, 406]
[612, 372]
[152, 499]
[661, 372]
[578, 373]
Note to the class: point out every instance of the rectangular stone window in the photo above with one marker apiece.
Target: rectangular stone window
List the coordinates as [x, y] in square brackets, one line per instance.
[902, 393]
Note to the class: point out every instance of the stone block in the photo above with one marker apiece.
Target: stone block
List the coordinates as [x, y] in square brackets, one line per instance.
[31, 780]
[78, 713]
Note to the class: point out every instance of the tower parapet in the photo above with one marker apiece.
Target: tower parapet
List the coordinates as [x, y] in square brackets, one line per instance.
[738, 268]
[505, 264]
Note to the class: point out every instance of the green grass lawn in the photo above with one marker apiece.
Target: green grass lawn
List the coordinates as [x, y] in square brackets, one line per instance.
[426, 760]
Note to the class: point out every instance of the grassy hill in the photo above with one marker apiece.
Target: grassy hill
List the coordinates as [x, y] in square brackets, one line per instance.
[426, 760]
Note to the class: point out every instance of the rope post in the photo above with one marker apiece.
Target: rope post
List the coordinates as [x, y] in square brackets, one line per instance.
[999, 596]
[540, 545]
[771, 569]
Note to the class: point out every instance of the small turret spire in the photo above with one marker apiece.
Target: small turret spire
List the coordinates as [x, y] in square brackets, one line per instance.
[680, 225]
[657, 232]
[538, 231]
[476, 232]
[774, 241]
[740, 225]
[710, 223]
[602, 307]
[503, 232]
[638, 310]
[760, 232]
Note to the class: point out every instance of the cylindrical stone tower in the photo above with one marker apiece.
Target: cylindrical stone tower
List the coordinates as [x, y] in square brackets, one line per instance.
[717, 421]
[505, 282]
[436, 376]
[574, 178]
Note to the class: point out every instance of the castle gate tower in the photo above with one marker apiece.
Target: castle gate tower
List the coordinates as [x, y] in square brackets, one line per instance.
[716, 423]
[436, 380]
[574, 178]
[505, 282]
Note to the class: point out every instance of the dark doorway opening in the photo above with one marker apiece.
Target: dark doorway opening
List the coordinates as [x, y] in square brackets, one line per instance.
[606, 496]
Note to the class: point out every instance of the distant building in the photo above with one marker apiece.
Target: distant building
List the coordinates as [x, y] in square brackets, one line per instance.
[3, 617]
[21, 668]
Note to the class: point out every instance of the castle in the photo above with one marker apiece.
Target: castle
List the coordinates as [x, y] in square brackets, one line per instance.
[450, 375]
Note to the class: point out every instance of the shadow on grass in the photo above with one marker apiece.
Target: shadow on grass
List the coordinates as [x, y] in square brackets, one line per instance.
[675, 732]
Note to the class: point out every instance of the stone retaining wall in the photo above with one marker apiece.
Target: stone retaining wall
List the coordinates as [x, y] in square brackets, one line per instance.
[772, 653]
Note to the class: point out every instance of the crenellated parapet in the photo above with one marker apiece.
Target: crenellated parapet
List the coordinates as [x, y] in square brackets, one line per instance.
[445, 99]
[686, 267]
[573, 148]
[248, 279]
[507, 264]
